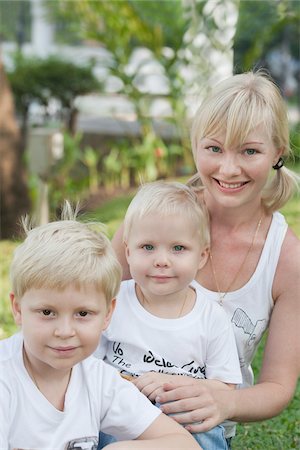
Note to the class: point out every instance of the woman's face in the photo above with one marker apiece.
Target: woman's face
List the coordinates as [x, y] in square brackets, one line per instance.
[236, 176]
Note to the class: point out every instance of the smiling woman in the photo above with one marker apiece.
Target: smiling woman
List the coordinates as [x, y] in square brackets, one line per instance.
[240, 136]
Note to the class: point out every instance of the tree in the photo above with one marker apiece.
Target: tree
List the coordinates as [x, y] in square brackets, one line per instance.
[14, 199]
[40, 80]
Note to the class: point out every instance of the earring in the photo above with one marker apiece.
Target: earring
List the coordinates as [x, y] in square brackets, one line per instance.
[279, 164]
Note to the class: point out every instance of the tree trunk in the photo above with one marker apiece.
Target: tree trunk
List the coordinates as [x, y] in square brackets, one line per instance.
[14, 198]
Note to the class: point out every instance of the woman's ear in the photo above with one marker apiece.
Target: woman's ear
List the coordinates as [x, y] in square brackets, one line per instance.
[16, 308]
[203, 257]
[278, 154]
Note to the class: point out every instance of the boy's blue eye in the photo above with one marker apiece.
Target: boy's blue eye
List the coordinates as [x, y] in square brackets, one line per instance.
[148, 247]
[250, 151]
[178, 248]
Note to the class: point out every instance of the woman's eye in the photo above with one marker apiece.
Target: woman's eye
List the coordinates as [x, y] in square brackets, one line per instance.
[83, 313]
[148, 247]
[178, 248]
[214, 149]
[46, 312]
[250, 151]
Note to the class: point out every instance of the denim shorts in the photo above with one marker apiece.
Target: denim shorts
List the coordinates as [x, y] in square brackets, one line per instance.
[211, 440]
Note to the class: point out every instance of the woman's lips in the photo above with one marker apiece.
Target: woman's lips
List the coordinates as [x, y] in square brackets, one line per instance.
[236, 185]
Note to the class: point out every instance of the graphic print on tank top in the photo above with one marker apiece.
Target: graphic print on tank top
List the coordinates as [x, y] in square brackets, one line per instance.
[252, 332]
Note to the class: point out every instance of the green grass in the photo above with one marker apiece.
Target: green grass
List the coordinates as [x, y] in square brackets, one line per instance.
[110, 213]
[280, 433]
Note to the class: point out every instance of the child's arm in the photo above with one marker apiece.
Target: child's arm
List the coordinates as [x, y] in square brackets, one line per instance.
[163, 434]
[151, 384]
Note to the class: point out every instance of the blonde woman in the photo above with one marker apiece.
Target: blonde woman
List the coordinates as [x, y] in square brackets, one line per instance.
[240, 141]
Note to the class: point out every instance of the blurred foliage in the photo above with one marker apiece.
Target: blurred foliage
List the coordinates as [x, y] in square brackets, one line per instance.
[15, 20]
[83, 170]
[41, 80]
[295, 141]
[121, 26]
[262, 25]
[166, 32]
[177, 35]
[68, 177]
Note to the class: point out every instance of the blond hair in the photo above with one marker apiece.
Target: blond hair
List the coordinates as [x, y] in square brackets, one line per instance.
[238, 105]
[168, 198]
[63, 253]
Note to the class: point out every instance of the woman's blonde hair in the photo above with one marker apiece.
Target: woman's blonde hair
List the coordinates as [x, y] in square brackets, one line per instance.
[168, 198]
[63, 253]
[238, 105]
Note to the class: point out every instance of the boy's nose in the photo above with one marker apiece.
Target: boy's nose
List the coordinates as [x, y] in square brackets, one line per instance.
[161, 259]
[64, 328]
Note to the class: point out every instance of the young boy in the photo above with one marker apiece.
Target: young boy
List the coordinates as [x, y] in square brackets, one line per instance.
[162, 327]
[54, 395]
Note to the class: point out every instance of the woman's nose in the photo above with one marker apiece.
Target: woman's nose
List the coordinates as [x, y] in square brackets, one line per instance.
[230, 165]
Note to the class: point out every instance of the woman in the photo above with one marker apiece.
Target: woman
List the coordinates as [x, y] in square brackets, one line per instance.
[240, 140]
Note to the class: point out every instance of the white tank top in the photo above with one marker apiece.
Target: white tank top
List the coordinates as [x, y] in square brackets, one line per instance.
[249, 308]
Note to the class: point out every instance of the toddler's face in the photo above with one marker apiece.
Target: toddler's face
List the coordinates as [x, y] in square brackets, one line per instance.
[164, 253]
[61, 328]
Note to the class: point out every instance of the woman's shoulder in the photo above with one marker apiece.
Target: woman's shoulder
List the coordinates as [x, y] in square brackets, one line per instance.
[287, 277]
[290, 251]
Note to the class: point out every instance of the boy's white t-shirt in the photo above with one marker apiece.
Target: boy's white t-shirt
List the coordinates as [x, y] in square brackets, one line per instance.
[97, 398]
[200, 344]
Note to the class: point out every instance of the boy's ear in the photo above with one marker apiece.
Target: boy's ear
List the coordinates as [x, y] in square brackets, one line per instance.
[203, 258]
[16, 308]
[127, 253]
[109, 314]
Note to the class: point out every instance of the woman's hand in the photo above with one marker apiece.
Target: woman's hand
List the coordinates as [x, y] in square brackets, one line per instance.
[151, 383]
[198, 406]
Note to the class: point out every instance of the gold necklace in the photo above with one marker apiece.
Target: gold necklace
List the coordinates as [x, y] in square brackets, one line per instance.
[222, 295]
[145, 300]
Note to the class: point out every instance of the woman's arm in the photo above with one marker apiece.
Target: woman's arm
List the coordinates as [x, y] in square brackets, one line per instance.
[118, 246]
[162, 434]
[280, 368]
[151, 383]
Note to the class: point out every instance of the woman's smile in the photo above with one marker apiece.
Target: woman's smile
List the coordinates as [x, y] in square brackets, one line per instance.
[231, 186]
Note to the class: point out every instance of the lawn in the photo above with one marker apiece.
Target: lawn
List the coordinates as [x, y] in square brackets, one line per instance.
[280, 433]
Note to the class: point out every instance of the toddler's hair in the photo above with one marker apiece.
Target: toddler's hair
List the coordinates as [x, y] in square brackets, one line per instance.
[168, 198]
[239, 104]
[63, 253]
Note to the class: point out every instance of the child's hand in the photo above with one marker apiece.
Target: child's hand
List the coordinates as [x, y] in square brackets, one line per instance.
[151, 383]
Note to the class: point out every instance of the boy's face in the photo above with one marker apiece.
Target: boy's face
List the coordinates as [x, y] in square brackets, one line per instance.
[61, 328]
[164, 253]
